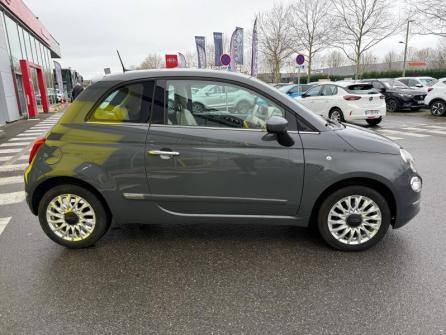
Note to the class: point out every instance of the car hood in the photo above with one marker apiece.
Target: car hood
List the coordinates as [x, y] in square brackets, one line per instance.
[367, 140]
[406, 91]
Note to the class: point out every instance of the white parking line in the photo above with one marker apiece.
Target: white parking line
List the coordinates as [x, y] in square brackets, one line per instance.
[13, 167]
[439, 132]
[19, 144]
[396, 132]
[12, 198]
[25, 135]
[5, 158]
[10, 151]
[21, 139]
[3, 223]
[11, 180]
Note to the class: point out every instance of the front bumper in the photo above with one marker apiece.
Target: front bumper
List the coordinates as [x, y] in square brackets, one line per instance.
[408, 201]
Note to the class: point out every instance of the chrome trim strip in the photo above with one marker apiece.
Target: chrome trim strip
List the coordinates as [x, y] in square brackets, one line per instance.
[191, 198]
[200, 127]
[277, 217]
[134, 196]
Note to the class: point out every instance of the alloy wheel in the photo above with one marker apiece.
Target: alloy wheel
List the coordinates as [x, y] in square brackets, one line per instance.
[71, 217]
[438, 108]
[336, 115]
[354, 220]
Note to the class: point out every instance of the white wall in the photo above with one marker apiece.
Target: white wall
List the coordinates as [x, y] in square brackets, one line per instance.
[9, 109]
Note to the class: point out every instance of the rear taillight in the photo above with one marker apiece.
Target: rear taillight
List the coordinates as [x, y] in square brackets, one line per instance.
[430, 89]
[381, 96]
[351, 97]
[36, 146]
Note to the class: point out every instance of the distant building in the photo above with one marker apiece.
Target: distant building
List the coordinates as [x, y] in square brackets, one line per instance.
[26, 50]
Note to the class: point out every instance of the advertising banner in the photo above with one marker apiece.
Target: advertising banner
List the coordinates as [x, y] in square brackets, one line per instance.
[58, 70]
[236, 48]
[218, 46]
[171, 61]
[200, 42]
[255, 47]
[181, 60]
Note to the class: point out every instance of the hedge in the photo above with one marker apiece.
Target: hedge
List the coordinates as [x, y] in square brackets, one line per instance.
[436, 73]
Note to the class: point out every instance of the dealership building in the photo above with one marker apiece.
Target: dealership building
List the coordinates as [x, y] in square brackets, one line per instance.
[26, 66]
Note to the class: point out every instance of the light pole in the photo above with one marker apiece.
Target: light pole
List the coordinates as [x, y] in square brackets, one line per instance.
[405, 47]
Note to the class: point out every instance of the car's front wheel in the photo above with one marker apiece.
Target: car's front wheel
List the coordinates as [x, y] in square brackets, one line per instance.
[336, 114]
[73, 216]
[353, 218]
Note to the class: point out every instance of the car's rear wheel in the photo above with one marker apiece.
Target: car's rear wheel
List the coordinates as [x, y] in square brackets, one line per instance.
[197, 107]
[336, 114]
[438, 108]
[73, 216]
[374, 122]
[392, 106]
[353, 218]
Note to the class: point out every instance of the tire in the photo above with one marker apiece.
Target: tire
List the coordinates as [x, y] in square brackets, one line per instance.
[68, 236]
[336, 114]
[392, 106]
[374, 122]
[242, 107]
[197, 107]
[438, 108]
[354, 223]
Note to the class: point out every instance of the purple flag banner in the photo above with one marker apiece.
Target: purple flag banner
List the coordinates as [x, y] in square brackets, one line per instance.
[218, 46]
[236, 48]
[200, 42]
[255, 49]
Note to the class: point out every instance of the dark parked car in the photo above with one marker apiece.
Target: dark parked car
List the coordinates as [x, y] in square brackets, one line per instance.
[121, 152]
[398, 96]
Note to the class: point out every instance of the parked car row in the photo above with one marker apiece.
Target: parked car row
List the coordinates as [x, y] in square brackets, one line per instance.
[370, 99]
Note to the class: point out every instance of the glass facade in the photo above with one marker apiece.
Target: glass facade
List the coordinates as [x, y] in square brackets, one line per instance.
[23, 45]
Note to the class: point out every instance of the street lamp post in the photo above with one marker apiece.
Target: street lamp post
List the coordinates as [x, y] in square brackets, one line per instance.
[405, 47]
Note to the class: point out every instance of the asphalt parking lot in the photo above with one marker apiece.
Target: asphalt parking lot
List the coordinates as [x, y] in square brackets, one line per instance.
[207, 279]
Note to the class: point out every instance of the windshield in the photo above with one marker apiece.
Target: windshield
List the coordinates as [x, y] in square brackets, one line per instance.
[391, 83]
[285, 88]
[428, 81]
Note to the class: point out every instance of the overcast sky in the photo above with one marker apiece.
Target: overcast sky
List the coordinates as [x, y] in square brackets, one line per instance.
[90, 31]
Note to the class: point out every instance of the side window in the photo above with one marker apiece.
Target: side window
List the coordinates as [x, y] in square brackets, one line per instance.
[313, 92]
[328, 90]
[192, 103]
[413, 83]
[130, 103]
[378, 85]
[404, 81]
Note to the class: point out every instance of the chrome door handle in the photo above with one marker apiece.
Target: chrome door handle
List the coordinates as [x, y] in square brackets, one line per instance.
[164, 154]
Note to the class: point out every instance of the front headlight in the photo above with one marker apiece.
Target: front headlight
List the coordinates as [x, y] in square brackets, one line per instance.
[408, 158]
[403, 95]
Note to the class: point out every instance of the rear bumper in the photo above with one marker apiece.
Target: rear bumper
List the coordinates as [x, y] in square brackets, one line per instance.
[366, 113]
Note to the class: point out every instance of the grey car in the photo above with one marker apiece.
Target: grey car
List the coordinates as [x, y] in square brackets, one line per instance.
[122, 153]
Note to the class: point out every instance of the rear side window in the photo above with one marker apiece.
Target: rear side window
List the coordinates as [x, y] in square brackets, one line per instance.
[328, 90]
[361, 89]
[130, 103]
[313, 92]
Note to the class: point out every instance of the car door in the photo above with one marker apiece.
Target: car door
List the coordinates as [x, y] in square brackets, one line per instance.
[311, 99]
[222, 163]
[329, 99]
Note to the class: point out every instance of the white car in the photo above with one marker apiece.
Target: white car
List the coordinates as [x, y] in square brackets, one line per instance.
[436, 98]
[346, 101]
[420, 83]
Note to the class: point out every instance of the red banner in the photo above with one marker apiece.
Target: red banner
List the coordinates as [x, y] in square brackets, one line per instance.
[171, 61]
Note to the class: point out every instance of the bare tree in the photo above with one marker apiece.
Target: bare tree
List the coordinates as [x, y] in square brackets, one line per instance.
[274, 41]
[311, 24]
[390, 58]
[152, 61]
[335, 59]
[362, 25]
[367, 58]
[430, 16]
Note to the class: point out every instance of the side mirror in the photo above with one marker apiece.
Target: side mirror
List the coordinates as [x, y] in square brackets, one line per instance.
[277, 125]
[304, 95]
